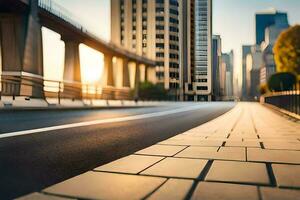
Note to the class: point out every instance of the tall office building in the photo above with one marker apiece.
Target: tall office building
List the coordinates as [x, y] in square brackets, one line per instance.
[196, 46]
[266, 19]
[227, 60]
[253, 65]
[246, 49]
[216, 66]
[271, 34]
[150, 28]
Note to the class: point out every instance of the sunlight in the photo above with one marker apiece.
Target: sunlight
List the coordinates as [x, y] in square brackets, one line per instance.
[91, 62]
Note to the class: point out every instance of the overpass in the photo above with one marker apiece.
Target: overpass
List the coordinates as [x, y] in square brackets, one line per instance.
[22, 54]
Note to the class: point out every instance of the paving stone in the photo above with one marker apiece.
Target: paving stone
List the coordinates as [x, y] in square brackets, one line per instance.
[278, 156]
[287, 175]
[238, 172]
[100, 185]
[161, 150]
[131, 164]
[225, 153]
[279, 194]
[224, 191]
[194, 142]
[177, 167]
[40, 196]
[242, 144]
[282, 145]
[175, 189]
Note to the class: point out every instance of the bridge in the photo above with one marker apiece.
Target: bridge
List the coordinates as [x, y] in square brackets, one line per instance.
[22, 54]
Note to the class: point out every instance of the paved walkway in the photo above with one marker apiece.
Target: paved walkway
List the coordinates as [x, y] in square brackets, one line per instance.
[250, 153]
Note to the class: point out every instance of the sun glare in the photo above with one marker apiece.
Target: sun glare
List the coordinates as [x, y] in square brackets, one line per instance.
[91, 62]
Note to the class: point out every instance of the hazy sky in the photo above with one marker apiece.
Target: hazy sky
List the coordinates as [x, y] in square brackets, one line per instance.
[232, 19]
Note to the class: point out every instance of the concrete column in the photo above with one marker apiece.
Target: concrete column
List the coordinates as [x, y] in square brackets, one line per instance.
[126, 81]
[137, 80]
[108, 75]
[142, 69]
[72, 72]
[22, 55]
[146, 73]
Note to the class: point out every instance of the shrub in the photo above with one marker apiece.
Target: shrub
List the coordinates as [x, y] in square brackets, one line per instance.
[263, 89]
[150, 91]
[282, 82]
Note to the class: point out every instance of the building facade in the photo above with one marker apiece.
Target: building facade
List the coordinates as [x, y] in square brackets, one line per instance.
[227, 60]
[197, 22]
[150, 28]
[268, 66]
[266, 19]
[246, 49]
[254, 62]
[216, 66]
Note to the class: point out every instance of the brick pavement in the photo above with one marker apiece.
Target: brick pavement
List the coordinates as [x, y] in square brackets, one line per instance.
[248, 153]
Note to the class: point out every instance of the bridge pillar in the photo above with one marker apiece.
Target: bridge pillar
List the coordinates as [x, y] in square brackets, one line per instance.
[137, 80]
[126, 81]
[108, 78]
[72, 71]
[22, 54]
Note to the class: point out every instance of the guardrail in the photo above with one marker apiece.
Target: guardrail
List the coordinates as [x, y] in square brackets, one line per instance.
[287, 100]
[14, 85]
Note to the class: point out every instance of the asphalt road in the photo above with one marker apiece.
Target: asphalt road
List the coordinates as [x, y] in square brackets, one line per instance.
[34, 161]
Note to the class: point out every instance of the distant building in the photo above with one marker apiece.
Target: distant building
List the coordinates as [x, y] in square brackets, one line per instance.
[266, 19]
[258, 60]
[246, 49]
[227, 60]
[223, 80]
[216, 66]
[268, 66]
[253, 65]
[196, 21]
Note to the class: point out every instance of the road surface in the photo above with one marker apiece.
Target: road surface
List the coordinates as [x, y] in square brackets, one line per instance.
[41, 148]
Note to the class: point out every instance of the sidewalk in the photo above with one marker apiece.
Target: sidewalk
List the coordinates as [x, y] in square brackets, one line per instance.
[249, 153]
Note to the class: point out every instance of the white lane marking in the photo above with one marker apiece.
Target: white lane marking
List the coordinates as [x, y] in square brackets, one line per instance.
[101, 121]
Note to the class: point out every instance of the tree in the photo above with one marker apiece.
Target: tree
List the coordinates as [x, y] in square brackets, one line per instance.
[263, 88]
[149, 91]
[287, 51]
[283, 81]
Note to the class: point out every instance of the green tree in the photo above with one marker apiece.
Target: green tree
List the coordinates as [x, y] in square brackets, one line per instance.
[287, 50]
[150, 91]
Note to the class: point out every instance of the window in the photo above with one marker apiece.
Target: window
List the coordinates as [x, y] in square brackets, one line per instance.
[202, 88]
[160, 45]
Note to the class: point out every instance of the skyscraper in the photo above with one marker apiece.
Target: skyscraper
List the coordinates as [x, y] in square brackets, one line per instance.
[216, 66]
[227, 60]
[266, 19]
[197, 21]
[246, 49]
[150, 28]
[268, 66]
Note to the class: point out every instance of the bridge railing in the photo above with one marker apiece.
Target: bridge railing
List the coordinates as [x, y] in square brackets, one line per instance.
[60, 12]
[17, 85]
[287, 100]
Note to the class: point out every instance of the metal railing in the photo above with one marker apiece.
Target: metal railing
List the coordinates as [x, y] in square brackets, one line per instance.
[287, 100]
[26, 86]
